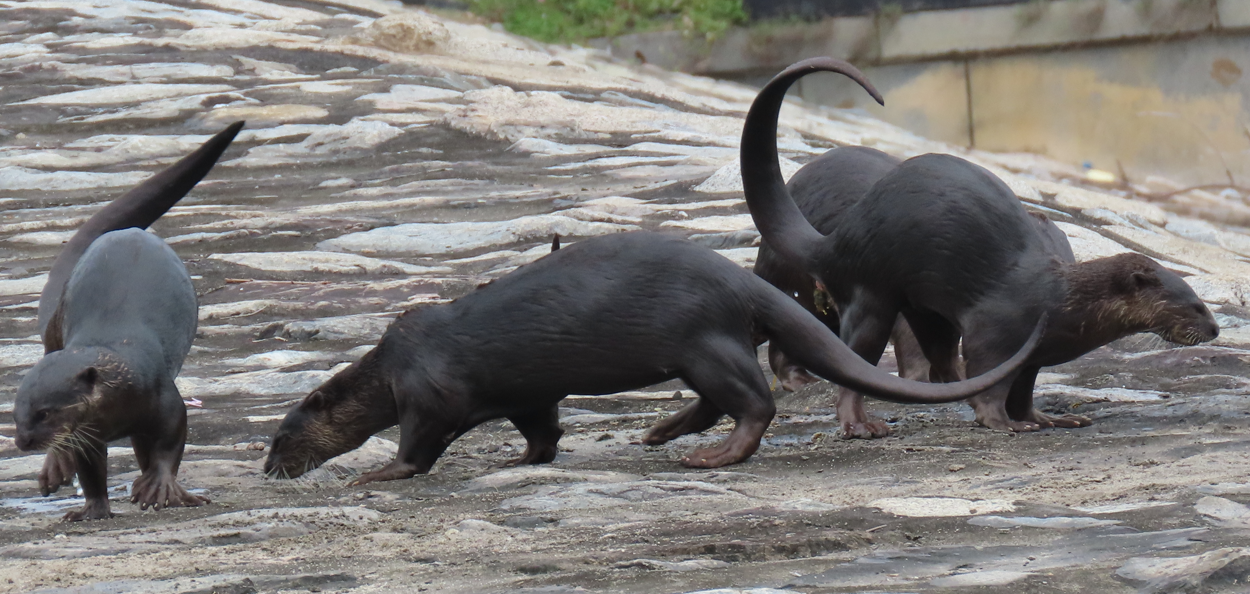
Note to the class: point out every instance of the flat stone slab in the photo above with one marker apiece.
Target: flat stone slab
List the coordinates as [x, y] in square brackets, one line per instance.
[426, 239]
[940, 507]
[599, 495]
[322, 262]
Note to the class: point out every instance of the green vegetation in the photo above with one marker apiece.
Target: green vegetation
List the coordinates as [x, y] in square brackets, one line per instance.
[579, 20]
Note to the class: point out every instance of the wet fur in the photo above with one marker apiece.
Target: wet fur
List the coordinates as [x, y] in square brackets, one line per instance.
[117, 315]
[600, 316]
[947, 245]
[1101, 299]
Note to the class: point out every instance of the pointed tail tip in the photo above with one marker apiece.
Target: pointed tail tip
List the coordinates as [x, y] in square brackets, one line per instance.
[841, 67]
[232, 130]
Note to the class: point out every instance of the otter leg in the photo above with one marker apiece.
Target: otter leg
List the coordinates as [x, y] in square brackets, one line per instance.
[696, 417]
[542, 432]
[937, 343]
[58, 471]
[866, 330]
[791, 375]
[159, 458]
[728, 376]
[423, 437]
[983, 353]
[908, 354]
[1020, 405]
[92, 462]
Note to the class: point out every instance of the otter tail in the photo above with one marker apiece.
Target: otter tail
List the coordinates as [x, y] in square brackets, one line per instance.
[776, 216]
[815, 347]
[140, 207]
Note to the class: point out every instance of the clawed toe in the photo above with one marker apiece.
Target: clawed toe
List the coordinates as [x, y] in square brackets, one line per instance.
[705, 459]
[542, 456]
[1021, 427]
[58, 471]
[163, 492]
[1071, 421]
[865, 430]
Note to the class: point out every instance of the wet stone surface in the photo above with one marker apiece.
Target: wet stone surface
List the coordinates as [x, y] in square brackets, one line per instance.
[396, 160]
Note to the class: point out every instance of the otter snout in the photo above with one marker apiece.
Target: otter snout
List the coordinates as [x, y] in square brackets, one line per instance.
[1194, 332]
[25, 441]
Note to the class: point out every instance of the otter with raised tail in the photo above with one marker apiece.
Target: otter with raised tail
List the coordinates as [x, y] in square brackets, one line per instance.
[947, 245]
[117, 316]
[600, 316]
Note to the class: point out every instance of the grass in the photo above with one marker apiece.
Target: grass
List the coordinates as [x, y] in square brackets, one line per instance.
[564, 21]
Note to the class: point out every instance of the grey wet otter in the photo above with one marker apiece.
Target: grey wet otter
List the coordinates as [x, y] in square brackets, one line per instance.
[117, 315]
[823, 189]
[600, 316]
[948, 245]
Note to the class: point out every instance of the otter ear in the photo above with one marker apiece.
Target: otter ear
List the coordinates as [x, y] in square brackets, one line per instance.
[1140, 279]
[89, 376]
[315, 400]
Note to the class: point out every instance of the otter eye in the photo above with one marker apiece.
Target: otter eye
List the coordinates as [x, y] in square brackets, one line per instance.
[40, 416]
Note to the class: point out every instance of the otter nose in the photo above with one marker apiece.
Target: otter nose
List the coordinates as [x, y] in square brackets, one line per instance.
[24, 442]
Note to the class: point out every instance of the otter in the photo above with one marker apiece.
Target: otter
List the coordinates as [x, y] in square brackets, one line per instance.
[947, 245]
[600, 316]
[823, 189]
[117, 315]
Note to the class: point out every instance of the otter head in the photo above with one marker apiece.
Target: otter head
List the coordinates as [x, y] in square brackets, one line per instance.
[1159, 301]
[334, 419]
[56, 399]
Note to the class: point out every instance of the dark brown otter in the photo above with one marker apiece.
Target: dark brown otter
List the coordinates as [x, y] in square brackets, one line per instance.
[600, 316]
[947, 245]
[117, 315]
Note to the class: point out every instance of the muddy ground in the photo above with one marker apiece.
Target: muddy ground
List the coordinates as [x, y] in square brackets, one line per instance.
[399, 162]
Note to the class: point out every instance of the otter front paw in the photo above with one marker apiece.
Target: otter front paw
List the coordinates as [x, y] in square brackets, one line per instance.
[160, 490]
[1009, 425]
[1064, 422]
[93, 510]
[58, 470]
[391, 472]
[793, 379]
[535, 455]
[712, 458]
[867, 429]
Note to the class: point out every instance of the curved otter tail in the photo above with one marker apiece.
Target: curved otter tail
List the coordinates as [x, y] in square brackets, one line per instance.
[815, 347]
[776, 216]
[140, 207]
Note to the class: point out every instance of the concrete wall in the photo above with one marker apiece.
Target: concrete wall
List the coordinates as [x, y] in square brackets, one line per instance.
[1152, 87]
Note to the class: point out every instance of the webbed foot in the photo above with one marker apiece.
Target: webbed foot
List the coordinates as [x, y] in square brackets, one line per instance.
[93, 510]
[535, 455]
[1065, 421]
[870, 428]
[394, 471]
[160, 490]
[58, 471]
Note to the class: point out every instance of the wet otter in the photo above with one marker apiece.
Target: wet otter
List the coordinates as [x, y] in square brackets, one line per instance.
[600, 316]
[823, 189]
[117, 315]
[947, 244]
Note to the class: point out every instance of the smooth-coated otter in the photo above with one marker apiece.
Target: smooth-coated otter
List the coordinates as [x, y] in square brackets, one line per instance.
[117, 315]
[600, 316]
[823, 189]
[947, 244]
